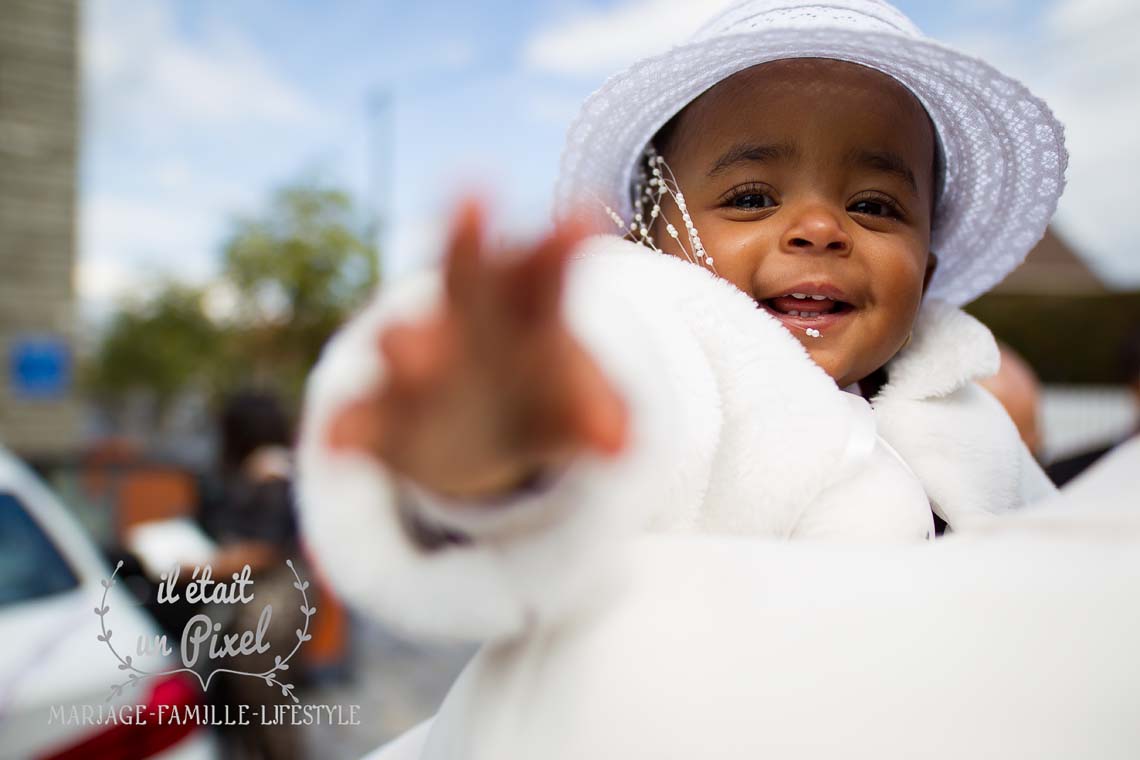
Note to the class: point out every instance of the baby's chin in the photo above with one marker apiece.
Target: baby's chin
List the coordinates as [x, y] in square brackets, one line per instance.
[836, 360]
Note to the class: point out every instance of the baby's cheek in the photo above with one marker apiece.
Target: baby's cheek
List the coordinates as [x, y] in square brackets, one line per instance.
[896, 320]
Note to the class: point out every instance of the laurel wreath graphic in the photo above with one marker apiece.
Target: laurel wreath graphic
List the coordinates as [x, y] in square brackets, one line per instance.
[137, 676]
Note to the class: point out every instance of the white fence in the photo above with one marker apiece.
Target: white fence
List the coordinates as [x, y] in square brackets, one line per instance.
[1076, 418]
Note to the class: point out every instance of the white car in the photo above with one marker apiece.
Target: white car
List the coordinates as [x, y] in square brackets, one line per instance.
[56, 676]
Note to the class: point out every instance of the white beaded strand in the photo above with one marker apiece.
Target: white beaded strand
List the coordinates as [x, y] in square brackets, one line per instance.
[654, 182]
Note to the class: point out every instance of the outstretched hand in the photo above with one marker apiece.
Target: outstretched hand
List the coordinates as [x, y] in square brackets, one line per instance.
[492, 388]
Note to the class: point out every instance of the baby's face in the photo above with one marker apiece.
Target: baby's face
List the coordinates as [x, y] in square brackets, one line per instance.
[810, 183]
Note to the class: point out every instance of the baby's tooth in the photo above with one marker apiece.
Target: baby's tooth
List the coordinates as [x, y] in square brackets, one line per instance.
[819, 298]
[800, 296]
[793, 313]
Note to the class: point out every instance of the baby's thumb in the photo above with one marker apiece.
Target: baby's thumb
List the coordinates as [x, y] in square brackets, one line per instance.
[601, 414]
[355, 426]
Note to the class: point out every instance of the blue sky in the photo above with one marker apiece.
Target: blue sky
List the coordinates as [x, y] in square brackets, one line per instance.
[196, 109]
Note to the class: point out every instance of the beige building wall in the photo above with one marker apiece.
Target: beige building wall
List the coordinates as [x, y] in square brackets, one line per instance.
[39, 100]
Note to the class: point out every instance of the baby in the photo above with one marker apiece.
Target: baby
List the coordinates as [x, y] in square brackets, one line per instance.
[815, 178]
[814, 188]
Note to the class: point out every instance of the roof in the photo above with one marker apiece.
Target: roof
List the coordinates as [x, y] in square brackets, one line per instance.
[1052, 268]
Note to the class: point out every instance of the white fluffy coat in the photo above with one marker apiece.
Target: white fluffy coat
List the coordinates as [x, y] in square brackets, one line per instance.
[722, 399]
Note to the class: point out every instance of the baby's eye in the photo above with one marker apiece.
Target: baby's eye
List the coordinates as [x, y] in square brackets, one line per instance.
[751, 198]
[873, 207]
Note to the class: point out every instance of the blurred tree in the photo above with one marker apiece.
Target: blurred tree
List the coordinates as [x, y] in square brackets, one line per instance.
[160, 345]
[291, 276]
[299, 270]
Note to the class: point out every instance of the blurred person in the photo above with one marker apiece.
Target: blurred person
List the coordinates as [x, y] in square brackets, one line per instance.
[248, 510]
[1018, 389]
[479, 439]
[1064, 470]
[248, 504]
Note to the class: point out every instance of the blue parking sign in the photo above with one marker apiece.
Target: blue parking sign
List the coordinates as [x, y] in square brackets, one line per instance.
[39, 367]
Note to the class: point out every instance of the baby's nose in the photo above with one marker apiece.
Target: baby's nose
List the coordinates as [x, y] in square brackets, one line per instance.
[815, 230]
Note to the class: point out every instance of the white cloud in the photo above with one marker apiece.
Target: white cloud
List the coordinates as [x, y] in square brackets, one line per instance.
[103, 281]
[130, 244]
[601, 42]
[1086, 65]
[149, 211]
[1084, 16]
[139, 72]
[118, 229]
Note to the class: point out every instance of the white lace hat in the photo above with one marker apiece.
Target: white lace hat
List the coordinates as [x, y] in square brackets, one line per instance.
[1003, 150]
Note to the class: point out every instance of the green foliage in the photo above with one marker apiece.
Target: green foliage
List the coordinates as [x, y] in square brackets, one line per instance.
[307, 252]
[295, 272]
[300, 270]
[157, 344]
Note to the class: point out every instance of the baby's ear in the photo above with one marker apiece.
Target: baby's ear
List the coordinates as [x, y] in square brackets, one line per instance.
[931, 265]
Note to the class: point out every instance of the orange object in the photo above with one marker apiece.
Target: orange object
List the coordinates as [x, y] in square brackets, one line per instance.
[154, 493]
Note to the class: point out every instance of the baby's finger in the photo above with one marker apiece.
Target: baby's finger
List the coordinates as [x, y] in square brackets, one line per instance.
[357, 425]
[534, 284]
[414, 354]
[576, 407]
[604, 420]
[464, 250]
[600, 416]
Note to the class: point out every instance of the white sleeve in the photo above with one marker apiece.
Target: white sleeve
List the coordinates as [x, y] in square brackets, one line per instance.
[483, 571]
[1034, 485]
[407, 746]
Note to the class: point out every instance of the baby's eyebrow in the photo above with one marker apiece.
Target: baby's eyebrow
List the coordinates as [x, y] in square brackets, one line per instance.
[884, 161]
[753, 153]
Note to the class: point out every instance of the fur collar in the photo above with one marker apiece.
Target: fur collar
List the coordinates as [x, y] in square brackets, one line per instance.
[954, 435]
[947, 350]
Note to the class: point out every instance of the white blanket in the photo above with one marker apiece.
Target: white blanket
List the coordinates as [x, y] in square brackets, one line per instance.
[1022, 641]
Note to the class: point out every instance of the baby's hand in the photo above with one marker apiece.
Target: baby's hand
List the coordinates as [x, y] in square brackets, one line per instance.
[492, 388]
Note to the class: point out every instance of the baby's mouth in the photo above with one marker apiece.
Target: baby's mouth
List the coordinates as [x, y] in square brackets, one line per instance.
[805, 306]
[811, 313]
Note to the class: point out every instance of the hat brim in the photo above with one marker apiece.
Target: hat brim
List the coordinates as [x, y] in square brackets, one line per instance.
[1003, 150]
